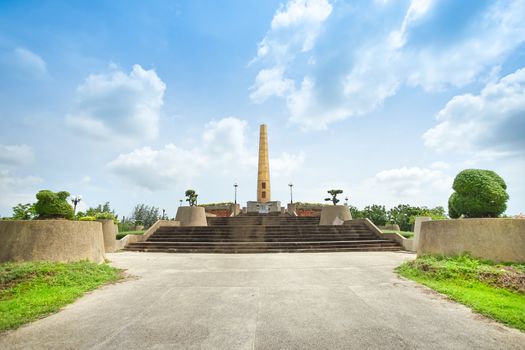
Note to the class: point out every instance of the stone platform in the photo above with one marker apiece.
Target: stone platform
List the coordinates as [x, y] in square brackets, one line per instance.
[264, 234]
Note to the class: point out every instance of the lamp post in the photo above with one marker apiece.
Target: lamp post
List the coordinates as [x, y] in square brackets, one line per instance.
[235, 185]
[163, 213]
[75, 200]
[180, 202]
[346, 201]
[291, 192]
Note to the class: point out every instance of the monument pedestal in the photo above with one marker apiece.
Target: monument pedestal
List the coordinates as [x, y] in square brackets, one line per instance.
[263, 207]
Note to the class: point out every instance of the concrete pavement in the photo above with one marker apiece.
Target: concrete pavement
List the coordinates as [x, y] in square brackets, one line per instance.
[263, 301]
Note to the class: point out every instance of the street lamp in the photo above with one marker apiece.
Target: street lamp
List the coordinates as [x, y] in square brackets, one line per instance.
[163, 213]
[235, 185]
[180, 202]
[346, 201]
[291, 192]
[75, 200]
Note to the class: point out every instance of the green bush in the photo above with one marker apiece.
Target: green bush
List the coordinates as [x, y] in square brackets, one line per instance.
[51, 205]
[375, 213]
[87, 218]
[105, 216]
[24, 211]
[478, 193]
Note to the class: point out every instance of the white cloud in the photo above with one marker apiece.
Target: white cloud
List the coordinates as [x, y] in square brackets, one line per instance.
[23, 63]
[119, 106]
[222, 151]
[270, 82]
[416, 10]
[225, 138]
[488, 125]
[294, 29]
[286, 164]
[301, 11]
[379, 64]
[440, 165]
[412, 182]
[31, 62]
[15, 189]
[157, 169]
[16, 155]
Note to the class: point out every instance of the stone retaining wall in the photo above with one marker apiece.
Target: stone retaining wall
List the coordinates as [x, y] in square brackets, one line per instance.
[492, 239]
[51, 240]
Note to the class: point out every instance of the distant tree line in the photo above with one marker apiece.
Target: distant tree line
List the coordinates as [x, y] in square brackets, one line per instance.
[403, 214]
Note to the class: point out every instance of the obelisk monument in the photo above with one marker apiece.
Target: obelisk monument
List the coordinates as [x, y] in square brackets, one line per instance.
[264, 204]
[263, 174]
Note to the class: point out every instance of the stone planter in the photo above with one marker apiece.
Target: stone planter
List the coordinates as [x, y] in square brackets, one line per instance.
[191, 216]
[109, 229]
[51, 240]
[493, 239]
[335, 215]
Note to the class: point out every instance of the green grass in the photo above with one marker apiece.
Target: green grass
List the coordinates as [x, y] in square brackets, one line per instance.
[32, 290]
[494, 290]
[123, 234]
[406, 234]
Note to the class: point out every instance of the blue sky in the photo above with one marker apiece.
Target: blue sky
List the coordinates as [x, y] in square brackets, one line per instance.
[134, 102]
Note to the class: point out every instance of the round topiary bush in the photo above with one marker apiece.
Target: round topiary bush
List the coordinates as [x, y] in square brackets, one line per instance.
[51, 205]
[478, 194]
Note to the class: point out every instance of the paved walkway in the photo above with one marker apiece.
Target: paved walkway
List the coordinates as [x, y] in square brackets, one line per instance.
[265, 301]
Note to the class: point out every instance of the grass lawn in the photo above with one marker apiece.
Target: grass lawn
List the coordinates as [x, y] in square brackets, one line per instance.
[406, 234]
[123, 234]
[32, 290]
[494, 290]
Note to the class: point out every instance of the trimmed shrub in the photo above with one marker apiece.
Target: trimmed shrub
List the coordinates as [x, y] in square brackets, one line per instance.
[105, 216]
[479, 193]
[51, 205]
[87, 218]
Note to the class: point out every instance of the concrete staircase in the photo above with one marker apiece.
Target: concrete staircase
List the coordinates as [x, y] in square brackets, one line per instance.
[263, 234]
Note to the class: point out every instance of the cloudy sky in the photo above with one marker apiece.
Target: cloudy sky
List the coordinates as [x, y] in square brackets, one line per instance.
[134, 102]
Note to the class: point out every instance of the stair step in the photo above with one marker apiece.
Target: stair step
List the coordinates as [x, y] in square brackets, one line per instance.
[261, 234]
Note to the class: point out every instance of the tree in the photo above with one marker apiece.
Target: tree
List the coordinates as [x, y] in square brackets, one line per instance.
[478, 193]
[334, 194]
[148, 215]
[355, 212]
[401, 215]
[51, 205]
[100, 209]
[24, 211]
[376, 213]
[191, 197]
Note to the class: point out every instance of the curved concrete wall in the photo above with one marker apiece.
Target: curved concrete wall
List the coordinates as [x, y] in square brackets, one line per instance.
[51, 240]
[191, 216]
[493, 239]
[335, 215]
[109, 230]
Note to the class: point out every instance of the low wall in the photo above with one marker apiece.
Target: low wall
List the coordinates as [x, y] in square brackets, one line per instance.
[492, 239]
[121, 243]
[109, 230]
[407, 244]
[391, 227]
[51, 240]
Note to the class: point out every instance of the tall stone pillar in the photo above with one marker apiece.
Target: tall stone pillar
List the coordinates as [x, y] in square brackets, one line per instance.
[263, 175]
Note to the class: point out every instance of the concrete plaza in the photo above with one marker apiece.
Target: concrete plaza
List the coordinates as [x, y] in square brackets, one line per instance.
[263, 301]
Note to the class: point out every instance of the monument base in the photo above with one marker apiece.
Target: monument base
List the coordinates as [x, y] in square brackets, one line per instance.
[263, 208]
